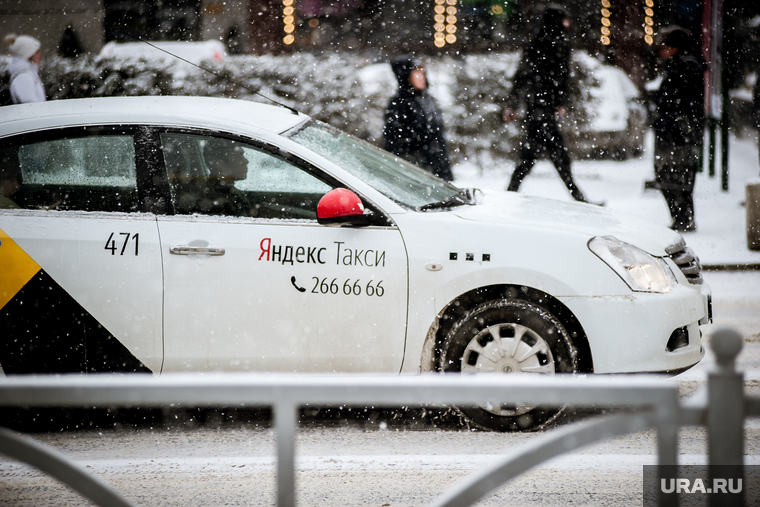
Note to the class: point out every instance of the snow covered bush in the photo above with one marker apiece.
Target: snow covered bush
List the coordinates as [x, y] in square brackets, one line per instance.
[347, 90]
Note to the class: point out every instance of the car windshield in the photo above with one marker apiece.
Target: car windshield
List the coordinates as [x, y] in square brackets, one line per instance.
[395, 178]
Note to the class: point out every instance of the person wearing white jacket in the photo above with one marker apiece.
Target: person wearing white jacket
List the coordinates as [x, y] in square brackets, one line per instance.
[26, 85]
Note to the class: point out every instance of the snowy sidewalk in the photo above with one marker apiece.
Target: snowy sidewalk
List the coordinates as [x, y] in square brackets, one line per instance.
[720, 240]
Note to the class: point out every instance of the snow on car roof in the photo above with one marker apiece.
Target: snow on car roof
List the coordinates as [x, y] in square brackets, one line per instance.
[222, 114]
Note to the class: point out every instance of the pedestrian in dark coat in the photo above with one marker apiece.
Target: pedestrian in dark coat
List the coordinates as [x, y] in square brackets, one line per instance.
[413, 122]
[542, 83]
[756, 95]
[756, 108]
[679, 124]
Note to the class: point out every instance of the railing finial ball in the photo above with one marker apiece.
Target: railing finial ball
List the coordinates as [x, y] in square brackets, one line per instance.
[726, 343]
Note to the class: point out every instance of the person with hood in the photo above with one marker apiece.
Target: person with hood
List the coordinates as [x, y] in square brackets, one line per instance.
[679, 119]
[24, 69]
[413, 122]
[542, 84]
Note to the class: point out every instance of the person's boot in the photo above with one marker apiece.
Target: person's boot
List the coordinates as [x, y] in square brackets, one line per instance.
[684, 226]
[518, 175]
[682, 210]
[578, 196]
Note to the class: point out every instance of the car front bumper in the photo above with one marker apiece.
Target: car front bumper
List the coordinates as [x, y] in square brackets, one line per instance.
[644, 332]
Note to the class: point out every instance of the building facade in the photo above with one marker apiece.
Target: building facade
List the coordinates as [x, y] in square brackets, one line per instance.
[269, 26]
[48, 20]
[621, 31]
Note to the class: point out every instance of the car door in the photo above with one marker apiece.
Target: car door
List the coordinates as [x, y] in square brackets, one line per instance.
[80, 282]
[252, 282]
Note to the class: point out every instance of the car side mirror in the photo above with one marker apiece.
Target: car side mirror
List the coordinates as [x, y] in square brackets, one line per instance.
[342, 207]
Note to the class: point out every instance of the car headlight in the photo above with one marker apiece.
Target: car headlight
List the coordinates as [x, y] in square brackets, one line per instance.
[641, 271]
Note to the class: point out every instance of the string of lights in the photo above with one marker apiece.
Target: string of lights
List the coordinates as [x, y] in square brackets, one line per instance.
[288, 21]
[606, 23]
[445, 21]
[649, 21]
[445, 17]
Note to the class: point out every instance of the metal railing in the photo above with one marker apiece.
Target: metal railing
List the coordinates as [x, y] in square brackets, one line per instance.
[652, 403]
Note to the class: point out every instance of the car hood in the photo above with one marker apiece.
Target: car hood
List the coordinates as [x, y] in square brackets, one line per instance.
[549, 214]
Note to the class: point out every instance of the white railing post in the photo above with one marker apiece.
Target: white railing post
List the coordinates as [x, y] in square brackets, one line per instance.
[286, 420]
[725, 414]
[667, 448]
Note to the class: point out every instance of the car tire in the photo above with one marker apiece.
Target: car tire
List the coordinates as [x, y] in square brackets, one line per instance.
[506, 336]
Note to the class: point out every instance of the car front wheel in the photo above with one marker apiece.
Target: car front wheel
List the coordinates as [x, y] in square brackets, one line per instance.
[508, 336]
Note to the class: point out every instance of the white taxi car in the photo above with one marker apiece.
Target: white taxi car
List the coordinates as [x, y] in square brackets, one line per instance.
[165, 234]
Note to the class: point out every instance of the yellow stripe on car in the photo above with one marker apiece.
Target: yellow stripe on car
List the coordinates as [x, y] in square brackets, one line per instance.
[16, 268]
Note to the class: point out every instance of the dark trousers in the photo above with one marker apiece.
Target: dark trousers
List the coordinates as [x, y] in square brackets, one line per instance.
[542, 132]
[675, 170]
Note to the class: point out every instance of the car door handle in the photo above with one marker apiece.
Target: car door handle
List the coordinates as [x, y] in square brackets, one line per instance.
[196, 250]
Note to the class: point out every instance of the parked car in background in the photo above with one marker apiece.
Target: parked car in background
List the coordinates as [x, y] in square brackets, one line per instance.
[195, 52]
[178, 54]
[606, 116]
[170, 234]
[616, 112]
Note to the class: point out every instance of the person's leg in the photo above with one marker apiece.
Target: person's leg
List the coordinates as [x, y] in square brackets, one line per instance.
[563, 168]
[672, 199]
[687, 211]
[675, 172]
[685, 197]
[664, 177]
[681, 206]
[521, 171]
[561, 159]
[528, 151]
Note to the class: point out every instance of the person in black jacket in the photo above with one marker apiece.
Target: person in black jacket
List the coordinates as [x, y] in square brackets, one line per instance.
[756, 94]
[542, 83]
[679, 124]
[756, 109]
[413, 124]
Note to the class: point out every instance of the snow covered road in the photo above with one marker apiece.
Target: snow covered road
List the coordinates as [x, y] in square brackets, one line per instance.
[343, 466]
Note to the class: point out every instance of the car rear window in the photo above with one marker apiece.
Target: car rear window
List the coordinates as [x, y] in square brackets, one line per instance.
[88, 173]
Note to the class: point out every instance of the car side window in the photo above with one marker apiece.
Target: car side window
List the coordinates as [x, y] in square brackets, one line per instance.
[94, 173]
[216, 176]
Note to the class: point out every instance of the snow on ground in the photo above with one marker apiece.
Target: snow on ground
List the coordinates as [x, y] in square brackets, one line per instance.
[721, 216]
[343, 466]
